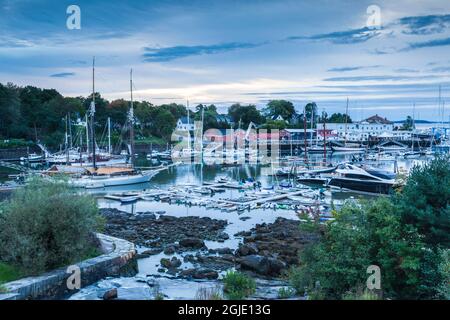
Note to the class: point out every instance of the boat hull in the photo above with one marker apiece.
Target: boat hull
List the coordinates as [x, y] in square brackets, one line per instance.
[378, 187]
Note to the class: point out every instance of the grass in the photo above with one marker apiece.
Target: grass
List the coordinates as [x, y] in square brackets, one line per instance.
[211, 293]
[238, 286]
[14, 143]
[7, 274]
[151, 139]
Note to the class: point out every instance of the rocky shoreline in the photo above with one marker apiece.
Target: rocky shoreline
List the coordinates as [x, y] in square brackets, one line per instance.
[266, 251]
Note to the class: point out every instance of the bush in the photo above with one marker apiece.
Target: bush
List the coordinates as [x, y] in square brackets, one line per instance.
[285, 293]
[362, 235]
[46, 225]
[425, 201]
[237, 285]
[8, 273]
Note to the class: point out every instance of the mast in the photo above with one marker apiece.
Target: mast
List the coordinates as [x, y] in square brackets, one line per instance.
[324, 139]
[346, 120]
[188, 125]
[109, 135]
[70, 133]
[304, 134]
[93, 115]
[87, 134]
[67, 142]
[413, 126]
[131, 119]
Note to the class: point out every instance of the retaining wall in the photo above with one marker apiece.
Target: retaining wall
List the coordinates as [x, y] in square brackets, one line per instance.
[119, 259]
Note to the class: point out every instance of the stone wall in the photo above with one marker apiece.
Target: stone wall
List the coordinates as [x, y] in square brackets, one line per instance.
[119, 259]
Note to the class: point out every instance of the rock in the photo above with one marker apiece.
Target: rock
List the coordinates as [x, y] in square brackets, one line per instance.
[151, 252]
[171, 264]
[110, 294]
[262, 265]
[205, 274]
[189, 258]
[192, 243]
[169, 250]
[165, 263]
[246, 249]
[224, 251]
[223, 236]
[175, 262]
[244, 218]
[189, 273]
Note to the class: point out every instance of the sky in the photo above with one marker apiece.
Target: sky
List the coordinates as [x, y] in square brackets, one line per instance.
[238, 51]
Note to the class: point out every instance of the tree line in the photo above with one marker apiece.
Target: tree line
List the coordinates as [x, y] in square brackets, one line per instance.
[36, 114]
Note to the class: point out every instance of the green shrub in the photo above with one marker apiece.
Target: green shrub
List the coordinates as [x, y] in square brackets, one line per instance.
[8, 273]
[285, 293]
[237, 285]
[46, 225]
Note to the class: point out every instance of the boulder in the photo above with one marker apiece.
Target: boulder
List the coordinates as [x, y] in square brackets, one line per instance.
[246, 249]
[224, 251]
[205, 274]
[262, 265]
[109, 294]
[192, 243]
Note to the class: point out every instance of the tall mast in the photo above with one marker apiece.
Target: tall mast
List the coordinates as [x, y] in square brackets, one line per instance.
[312, 124]
[413, 126]
[109, 135]
[304, 134]
[324, 139]
[87, 134]
[93, 115]
[131, 119]
[188, 125]
[346, 120]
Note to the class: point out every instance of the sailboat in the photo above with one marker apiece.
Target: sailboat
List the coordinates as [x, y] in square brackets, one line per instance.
[95, 177]
[346, 148]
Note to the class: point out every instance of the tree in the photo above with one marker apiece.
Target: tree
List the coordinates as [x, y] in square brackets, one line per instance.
[425, 201]
[280, 107]
[244, 115]
[274, 124]
[311, 111]
[362, 235]
[408, 124]
[339, 118]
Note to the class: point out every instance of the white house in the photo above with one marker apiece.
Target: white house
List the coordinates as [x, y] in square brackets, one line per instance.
[371, 127]
[184, 125]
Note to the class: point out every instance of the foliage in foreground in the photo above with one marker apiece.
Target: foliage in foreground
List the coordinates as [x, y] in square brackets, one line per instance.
[237, 285]
[46, 225]
[8, 273]
[406, 236]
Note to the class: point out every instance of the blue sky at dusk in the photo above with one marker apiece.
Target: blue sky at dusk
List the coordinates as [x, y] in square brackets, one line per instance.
[230, 51]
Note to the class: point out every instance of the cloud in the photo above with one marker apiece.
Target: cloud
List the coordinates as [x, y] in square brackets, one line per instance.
[441, 69]
[380, 78]
[178, 52]
[346, 69]
[63, 75]
[342, 37]
[406, 70]
[425, 25]
[428, 44]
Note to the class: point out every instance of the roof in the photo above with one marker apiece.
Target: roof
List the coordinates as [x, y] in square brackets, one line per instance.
[300, 130]
[184, 120]
[224, 118]
[275, 116]
[377, 119]
[109, 170]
